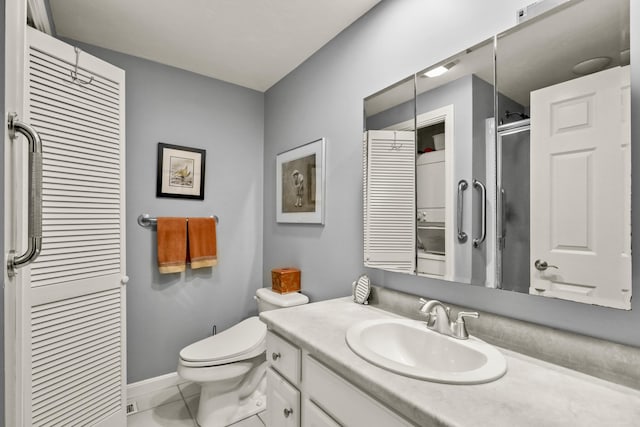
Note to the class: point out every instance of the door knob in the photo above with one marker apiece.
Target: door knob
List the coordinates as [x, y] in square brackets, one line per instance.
[542, 265]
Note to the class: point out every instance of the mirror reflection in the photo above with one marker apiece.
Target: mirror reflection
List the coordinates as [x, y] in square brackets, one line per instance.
[537, 201]
[563, 154]
[389, 178]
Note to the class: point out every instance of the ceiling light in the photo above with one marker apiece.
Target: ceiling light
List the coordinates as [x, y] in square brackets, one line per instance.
[591, 65]
[439, 70]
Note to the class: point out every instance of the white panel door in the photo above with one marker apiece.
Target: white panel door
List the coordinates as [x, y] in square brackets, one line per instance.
[390, 200]
[70, 302]
[580, 189]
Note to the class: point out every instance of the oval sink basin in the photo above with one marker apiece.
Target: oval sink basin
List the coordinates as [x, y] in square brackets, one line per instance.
[407, 347]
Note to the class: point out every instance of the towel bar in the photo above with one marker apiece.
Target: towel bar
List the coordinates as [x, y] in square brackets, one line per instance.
[148, 221]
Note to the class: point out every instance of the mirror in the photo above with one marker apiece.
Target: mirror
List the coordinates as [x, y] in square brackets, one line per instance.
[454, 100]
[443, 111]
[389, 179]
[564, 155]
[451, 194]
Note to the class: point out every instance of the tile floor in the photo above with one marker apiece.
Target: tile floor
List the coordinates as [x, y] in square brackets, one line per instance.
[176, 406]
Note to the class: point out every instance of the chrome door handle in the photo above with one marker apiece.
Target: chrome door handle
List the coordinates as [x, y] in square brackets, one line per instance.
[34, 227]
[503, 219]
[462, 185]
[483, 211]
[542, 265]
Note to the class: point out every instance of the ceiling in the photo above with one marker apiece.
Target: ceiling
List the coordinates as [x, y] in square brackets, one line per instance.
[536, 54]
[251, 43]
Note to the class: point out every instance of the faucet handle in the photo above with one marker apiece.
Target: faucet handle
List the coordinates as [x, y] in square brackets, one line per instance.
[464, 314]
[459, 328]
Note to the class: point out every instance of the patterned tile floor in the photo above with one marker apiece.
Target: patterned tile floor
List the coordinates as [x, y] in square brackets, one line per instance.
[176, 406]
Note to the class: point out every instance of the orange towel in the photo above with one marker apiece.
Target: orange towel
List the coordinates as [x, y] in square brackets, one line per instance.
[202, 242]
[172, 245]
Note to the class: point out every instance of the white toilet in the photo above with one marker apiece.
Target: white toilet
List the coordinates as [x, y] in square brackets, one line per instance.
[231, 366]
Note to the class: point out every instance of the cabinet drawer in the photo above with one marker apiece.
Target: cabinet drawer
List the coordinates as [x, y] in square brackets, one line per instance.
[283, 401]
[284, 357]
[316, 417]
[344, 402]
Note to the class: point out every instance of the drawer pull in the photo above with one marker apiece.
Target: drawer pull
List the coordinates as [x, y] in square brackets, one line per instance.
[275, 356]
[287, 412]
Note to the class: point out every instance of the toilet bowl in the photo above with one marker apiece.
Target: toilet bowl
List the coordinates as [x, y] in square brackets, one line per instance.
[231, 366]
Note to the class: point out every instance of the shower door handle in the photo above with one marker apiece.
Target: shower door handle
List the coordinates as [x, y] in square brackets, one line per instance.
[483, 211]
[503, 219]
[462, 185]
[34, 227]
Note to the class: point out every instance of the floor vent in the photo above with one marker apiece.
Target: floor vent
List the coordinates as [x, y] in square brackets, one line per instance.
[132, 408]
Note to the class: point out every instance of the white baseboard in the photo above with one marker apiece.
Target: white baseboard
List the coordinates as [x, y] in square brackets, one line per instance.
[153, 384]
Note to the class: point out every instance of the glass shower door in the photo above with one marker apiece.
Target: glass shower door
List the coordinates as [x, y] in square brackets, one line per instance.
[513, 206]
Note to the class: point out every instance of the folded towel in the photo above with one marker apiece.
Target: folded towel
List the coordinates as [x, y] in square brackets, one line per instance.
[172, 244]
[202, 242]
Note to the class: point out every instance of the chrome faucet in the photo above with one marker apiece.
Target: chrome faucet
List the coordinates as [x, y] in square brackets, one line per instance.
[438, 319]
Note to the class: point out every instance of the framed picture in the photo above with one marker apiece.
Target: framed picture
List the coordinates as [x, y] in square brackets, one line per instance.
[300, 175]
[180, 172]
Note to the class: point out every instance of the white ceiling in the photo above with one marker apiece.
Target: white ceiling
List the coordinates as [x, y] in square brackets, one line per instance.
[252, 43]
[533, 55]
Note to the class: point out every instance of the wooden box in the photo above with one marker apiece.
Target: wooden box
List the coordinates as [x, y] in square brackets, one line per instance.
[285, 280]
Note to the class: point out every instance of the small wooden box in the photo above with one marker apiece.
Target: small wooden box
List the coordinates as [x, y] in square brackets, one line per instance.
[285, 280]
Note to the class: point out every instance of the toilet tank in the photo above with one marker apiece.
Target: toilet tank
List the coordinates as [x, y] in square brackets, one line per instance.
[269, 300]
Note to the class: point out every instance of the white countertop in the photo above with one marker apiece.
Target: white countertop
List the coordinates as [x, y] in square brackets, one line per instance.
[532, 392]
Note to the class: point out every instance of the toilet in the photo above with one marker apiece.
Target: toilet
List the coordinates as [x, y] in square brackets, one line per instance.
[231, 366]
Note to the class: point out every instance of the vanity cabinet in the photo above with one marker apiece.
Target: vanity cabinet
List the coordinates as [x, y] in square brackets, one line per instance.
[283, 380]
[301, 391]
[316, 417]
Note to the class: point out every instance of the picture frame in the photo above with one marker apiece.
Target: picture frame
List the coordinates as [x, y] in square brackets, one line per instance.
[181, 172]
[300, 184]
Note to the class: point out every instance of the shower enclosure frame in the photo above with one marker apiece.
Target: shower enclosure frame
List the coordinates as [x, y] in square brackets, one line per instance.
[502, 131]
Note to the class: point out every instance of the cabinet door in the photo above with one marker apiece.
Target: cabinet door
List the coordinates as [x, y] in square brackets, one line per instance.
[283, 400]
[344, 401]
[316, 417]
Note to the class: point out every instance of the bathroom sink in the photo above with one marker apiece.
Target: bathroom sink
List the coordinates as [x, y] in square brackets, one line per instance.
[407, 347]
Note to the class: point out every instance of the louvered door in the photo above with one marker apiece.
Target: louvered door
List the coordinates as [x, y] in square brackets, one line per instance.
[74, 301]
[390, 200]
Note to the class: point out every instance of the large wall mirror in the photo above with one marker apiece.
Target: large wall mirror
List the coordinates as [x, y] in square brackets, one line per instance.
[536, 201]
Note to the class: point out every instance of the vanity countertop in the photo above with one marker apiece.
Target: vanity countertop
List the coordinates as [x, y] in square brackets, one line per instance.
[532, 392]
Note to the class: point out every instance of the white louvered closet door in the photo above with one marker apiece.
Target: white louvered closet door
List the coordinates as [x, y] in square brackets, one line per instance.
[75, 306]
[390, 200]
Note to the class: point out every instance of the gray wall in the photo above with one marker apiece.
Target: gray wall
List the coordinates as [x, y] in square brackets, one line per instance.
[164, 104]
[323, 98]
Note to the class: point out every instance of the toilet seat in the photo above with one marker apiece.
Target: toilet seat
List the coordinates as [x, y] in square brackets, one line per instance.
[243, 341]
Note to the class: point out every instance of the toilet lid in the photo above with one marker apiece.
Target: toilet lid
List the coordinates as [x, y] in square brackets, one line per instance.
[246, 339]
